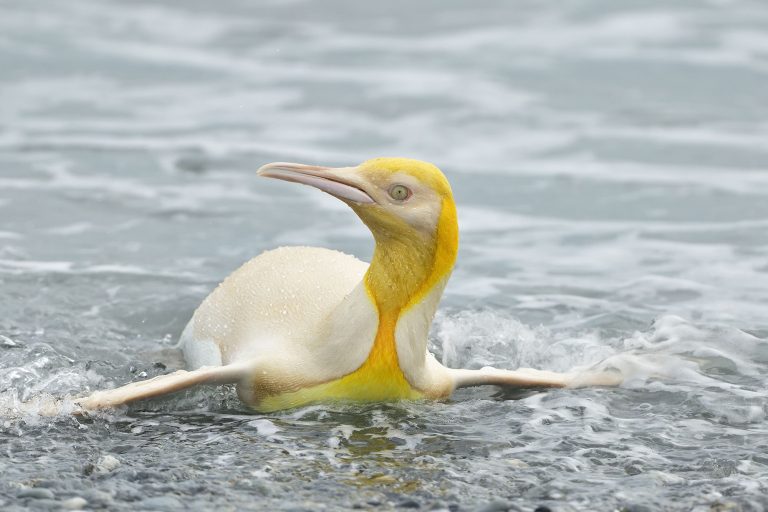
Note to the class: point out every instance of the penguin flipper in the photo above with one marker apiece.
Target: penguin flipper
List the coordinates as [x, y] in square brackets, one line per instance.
[530, 378]
[164, 385]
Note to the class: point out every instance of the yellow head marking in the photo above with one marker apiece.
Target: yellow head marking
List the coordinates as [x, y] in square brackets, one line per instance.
[425, 172]
[416, 241]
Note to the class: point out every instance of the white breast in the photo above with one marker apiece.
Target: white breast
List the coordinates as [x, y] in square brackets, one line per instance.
[276, 305]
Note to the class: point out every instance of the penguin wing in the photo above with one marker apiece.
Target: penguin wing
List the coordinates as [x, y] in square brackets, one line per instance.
[166, 384]
[530, 378]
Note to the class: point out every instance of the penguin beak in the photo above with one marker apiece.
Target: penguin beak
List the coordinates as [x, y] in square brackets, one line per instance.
[341, 182]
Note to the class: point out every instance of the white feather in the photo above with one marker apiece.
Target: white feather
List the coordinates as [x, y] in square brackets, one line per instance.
[292, 307]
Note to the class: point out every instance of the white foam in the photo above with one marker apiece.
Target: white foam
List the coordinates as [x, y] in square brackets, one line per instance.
[673, 355]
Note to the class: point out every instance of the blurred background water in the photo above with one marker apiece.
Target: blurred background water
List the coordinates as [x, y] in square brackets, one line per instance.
[610, 163]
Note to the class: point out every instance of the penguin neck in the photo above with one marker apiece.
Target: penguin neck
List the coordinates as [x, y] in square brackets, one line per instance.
[399, 270]
[408, 272]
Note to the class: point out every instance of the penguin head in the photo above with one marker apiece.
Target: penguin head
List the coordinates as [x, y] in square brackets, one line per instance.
[399, 199]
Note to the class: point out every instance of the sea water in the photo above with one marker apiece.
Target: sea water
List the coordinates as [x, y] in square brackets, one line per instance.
[610, 167]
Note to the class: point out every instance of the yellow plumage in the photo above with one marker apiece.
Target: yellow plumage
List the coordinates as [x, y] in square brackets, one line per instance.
[378, 379]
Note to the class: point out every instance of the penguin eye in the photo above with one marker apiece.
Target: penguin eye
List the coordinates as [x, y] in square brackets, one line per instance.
[399, 192]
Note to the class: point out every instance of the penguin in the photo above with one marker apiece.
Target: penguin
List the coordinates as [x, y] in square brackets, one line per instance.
[304, 325]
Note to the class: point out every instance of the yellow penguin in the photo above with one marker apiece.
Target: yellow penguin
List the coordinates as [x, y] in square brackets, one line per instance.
[301, 325]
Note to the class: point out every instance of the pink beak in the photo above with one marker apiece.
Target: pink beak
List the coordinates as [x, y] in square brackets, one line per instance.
[341, 182]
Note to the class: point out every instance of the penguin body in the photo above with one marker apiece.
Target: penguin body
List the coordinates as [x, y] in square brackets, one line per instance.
[301, 325]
